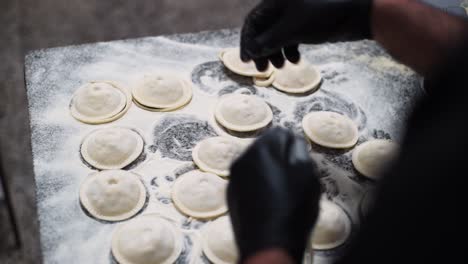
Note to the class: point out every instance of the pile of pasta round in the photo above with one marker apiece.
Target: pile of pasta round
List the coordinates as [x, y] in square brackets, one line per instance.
[323, 128]
[328, 129]
[334, 130]
[113, 192]
[291, 78]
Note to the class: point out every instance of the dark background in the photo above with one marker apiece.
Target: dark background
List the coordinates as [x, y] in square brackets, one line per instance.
[35, 24]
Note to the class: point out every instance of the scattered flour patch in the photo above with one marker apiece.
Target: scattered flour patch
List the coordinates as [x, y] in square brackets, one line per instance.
[376, 93]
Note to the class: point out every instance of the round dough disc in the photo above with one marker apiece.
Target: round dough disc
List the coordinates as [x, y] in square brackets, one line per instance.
[216, 154]
[231, 59]
[330, 129]
[219, 245]
[243, 113]
[200, 194]
[166, 92]
[264, 82]
[113, 195]
[371, 157]
[333, 227]
[297, 78]
[111, 148]
[147, 239]
[99, 102]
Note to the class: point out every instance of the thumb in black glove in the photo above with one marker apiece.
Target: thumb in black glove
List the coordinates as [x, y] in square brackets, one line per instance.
[273, 195]
[277, 27]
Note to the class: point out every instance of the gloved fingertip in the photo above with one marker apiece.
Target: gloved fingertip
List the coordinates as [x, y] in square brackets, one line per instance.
[278, 64]
[261, 64]
[292, 53]
[294, 59]
[277, 60]
[275, 135]
[244, 57]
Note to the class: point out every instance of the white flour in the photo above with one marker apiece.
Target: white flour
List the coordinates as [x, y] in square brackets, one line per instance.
[464, 5]
[359, 80]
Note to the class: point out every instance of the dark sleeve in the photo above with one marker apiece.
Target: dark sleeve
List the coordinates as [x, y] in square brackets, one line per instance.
[419, 213]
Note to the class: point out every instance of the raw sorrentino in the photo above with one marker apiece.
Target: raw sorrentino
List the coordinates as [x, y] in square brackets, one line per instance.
[231, 59]
[333, 227]
[243, 113]
[216, 154]
[113, 195]
[112, 148]
[100, 102]
[296, 78]
[329, 129]
[147, 239]
[162, 92]
[371, 157]
[200, 195]
[218, 241]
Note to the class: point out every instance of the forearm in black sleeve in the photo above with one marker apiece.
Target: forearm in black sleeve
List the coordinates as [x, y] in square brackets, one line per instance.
[419, 214]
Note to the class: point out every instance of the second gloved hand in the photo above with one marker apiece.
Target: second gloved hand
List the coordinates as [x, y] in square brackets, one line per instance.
[277, 26]
[273, 195]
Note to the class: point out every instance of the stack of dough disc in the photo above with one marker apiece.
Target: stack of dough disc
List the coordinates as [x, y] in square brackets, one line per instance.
[162, 92]
[264, 81]
[333, 227]
[216, 154]
[147, 239]
[100, 102]
[200, 195]
[371, 158]
[113, 195]
[231, 59]
[112, 148]
[243, 113]
[292, 78]
[330, 129]
[218, 242]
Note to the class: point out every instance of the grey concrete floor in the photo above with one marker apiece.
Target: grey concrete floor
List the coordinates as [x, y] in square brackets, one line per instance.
[30, 24]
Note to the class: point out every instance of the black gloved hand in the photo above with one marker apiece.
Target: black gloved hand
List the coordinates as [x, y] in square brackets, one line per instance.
[273, 195]
[281, 25]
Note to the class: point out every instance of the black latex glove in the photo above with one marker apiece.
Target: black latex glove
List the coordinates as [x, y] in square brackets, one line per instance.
[277, 27]
[273, 195]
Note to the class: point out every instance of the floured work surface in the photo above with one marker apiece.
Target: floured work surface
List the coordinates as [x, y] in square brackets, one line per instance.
[359, 80]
